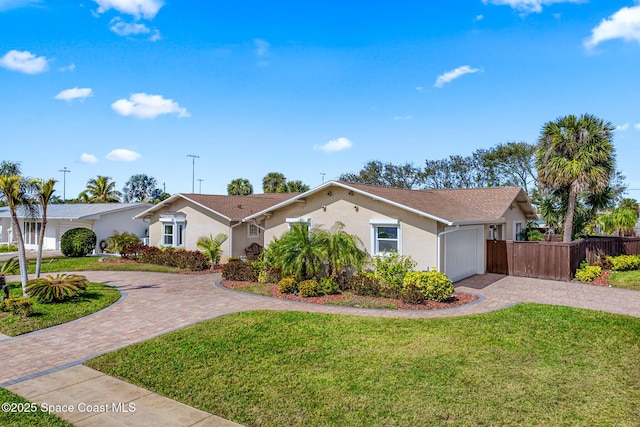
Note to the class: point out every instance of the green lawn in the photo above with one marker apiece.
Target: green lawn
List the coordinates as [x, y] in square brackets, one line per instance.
[95, 298]
[92, 263]
[526, 365]
[625, 279]
[9, 418]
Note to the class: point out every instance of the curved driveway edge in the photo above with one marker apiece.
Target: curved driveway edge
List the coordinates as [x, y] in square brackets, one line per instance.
[157, 303]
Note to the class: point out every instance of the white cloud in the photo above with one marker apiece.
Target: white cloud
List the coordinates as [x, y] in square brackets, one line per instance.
[528, 6]
[122, 28]
[637, 126]
[14, 4]
[24, 62]
[137, 8]
[420, 88]
[123, 155]
[403, 117]
[144, 106]
[155, 36]
[88, 158]
[334, 145]
[71, 67]
[623, 127]
[478, 18]
[75, 93]
[262, 47]
[454, 74]
[624, 24]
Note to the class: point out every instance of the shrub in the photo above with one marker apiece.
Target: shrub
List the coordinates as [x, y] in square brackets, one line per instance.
[411, 294]
[270, 275]
[309, 288]
[366, 285]
[328, 286]
[588, 273]
[119, 242]
[434, 285]
[390, 270]
[624, 262]
[78, 242]
[170, 257]
[20, 306]
[55, 289]
[8, 248]
[288, 285]
[10, 266]
[239, 271]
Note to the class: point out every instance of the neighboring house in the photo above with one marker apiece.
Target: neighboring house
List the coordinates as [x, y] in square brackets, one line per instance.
[445, 229]
[181, 219]
[102, 218]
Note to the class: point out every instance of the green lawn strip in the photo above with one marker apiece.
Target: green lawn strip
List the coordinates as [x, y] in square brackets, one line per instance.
[92, 263]
[16, 415]
[95, 298]
[255, 289]
[526, 365]
[625, 279]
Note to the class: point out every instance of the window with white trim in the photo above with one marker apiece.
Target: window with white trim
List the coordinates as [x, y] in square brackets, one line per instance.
[517, 230]
[307, 221]
[31, 232]
[173, 230]
[385, 236]
[253, 231]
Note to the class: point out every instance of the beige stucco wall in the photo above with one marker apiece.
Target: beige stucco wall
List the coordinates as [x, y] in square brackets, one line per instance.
[418, 234]
[241, 239]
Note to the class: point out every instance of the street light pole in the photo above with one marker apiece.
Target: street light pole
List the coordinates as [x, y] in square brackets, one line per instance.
[200, 185]
[193, 171]
[64, 183]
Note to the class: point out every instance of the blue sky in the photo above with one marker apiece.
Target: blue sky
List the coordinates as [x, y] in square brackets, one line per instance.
[119, 87]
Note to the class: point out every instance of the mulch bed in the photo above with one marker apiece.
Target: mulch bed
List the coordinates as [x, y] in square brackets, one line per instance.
[456, 300]
[118, 260]
[603, 280]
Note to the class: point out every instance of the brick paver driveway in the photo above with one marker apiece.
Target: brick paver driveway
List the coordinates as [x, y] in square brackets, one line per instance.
[155, 303]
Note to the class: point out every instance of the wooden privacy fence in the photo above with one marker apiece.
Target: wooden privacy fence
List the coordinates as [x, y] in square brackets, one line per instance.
[553, 260]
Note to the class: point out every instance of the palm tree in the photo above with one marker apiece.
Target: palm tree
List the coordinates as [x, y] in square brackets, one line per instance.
[576, 154]
[299, 252]
[100, 190]
[139, 188]
[239, 187]
[272, 181]
[211, 246]
[343, 250]
[14, 192]
[43, 191]
[292, 187]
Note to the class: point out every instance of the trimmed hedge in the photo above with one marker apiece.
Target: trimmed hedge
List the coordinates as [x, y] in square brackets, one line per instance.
[434, 285]
[169, 257]
[78, 242]
[239, 271]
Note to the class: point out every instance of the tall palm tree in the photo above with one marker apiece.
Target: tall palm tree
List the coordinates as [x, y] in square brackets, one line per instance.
[272, 181]
[292, 187]
[43, 191]
[100, 190]
[14, 192]
[575, 153]
[239, 187]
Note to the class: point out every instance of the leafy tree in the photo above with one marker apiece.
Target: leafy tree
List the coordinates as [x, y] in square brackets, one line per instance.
[387, 174]
[239, 187]
[43, 191]
[14, 191]
[139, 188]
[100, 190]
[272, 181]
[292, 187]
[212, 247]
[513, 164]
[575, 153]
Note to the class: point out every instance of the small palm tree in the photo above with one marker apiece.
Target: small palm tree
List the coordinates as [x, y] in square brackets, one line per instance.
[292, 187]
[43, 191]
[343, 250]
[239, 187]
[212, 247]
[272, 181]
[100, 190]
[58, 288]
[576, 154]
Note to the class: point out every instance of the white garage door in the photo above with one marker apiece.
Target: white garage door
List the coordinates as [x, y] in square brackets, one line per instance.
[464, 252]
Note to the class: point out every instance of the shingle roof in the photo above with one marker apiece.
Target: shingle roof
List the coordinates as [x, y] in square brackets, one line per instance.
[78, 210]
[455, 205]
[235, 207]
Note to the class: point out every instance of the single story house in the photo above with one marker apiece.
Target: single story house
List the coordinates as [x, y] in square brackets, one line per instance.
[102, 218]
[445, 229]
[183, 218]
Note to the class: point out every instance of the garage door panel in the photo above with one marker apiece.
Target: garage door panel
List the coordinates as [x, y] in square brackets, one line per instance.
[462, 253]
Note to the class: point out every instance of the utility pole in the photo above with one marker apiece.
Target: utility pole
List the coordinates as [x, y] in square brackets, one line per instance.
[64, 183]
[193, 171]
[200, 185]
[323, 174]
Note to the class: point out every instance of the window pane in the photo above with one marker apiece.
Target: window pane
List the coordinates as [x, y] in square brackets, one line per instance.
[387, 232]
[387, 245]
[168, 234]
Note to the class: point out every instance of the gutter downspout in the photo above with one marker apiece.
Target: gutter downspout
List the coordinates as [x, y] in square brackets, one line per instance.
[440, 235]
